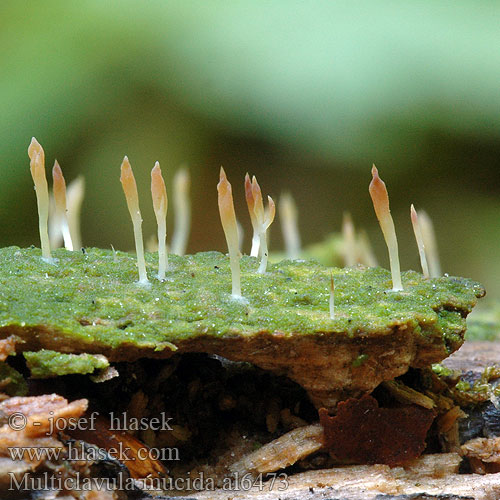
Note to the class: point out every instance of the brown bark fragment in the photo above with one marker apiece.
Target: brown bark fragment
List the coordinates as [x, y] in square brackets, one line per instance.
[8, 346]
[361, 432]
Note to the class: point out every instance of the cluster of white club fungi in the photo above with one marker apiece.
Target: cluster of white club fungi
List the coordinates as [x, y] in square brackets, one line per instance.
[355, 248]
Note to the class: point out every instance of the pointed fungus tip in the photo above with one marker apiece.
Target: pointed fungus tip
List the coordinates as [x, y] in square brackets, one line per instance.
[347, 223]
[272, 211]
[222, 174]
[158, 190]
[59, 187]
[413, 213]
[34, 146]
[182, 178]
[56, 169]
[156, 175]
[126, 174]
[36, 153]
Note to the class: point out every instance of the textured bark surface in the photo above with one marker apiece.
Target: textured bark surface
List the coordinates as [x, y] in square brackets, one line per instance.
[474, 356]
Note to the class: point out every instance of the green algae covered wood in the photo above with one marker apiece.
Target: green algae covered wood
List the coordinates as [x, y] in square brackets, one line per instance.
[90, 302]
[46, 363]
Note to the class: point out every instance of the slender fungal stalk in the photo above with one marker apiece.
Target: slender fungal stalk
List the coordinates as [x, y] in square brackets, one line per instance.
[130, 189]
[160, 205]
[228, 219]
[182, 212]
[254, 252]
[290, 226]
[59, 187]
[74, 195]
[37, 167]
[380, 198]
[349, 246]
[431, 250]
[365, 250]
[241, 234]
[263, 235]
[332, 297]
[264, 220]
[420, 241]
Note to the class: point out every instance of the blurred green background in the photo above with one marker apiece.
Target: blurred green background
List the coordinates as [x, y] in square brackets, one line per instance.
[306, 95]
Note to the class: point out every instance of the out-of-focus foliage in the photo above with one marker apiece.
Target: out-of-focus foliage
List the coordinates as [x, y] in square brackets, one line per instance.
[304, 95]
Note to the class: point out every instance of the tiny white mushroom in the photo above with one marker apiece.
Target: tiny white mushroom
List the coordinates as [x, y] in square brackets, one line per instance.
[37, 167]
[420, 241]
[380, 198]
[349, 246]
[59, 188]
[431, 250]
[264, 219]
[74, 195]
[130, 189]
[365, 250]
[289, 225]
[254, 252]
[182, 211]
[160, 205]
[230, 227]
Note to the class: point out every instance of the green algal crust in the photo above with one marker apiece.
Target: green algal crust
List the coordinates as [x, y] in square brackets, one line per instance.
[11, 381]
[46, 363]
[91, 303]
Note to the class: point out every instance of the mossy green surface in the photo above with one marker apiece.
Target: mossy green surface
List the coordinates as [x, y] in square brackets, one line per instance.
[11, 381]
[94, 297]
[47, 363]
